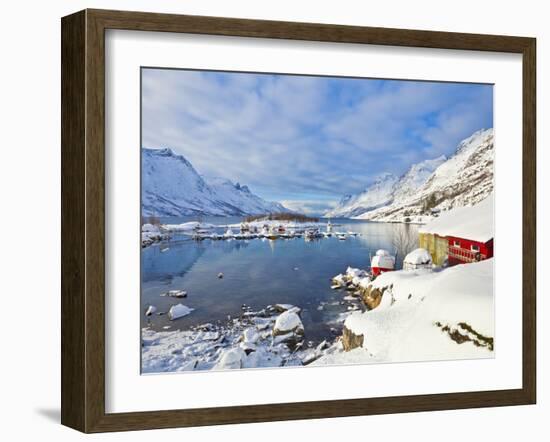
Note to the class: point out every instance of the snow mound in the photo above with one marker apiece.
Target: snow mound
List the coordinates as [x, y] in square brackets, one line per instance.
[425, 315]
[418, 257]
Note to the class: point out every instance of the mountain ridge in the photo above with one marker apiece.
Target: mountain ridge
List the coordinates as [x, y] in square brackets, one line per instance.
[171, 186]
[432, 185]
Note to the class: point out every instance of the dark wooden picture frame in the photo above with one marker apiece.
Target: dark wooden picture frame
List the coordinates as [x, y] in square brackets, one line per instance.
[83, 219]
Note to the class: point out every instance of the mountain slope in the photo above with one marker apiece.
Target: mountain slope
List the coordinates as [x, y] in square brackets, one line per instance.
[414, 178]
[377, 195]
[386, 190]
[466, 178]
[172, 187]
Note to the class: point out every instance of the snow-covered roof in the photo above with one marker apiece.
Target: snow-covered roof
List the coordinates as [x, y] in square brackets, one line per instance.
[470, 222]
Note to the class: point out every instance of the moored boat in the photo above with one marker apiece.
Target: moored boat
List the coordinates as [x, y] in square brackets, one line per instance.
[382, 262]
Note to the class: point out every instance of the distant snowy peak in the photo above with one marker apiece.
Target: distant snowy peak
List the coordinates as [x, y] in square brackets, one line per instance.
[464, 179]
[172, 187]
[378, 194]
[415, 177]
[440, 183]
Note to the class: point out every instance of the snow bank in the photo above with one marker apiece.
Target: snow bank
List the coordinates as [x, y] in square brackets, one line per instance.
[471, 222]
[421, 309]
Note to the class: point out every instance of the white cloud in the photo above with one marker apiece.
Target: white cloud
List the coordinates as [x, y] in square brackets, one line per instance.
[292, 134]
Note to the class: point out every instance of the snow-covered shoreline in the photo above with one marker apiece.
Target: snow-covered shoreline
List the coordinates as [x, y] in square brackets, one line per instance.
[271, 337]
[423, 315]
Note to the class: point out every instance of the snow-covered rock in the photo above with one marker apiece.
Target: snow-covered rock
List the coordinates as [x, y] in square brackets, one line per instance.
[288, 322]
[172, 187]
[178, 311]
[231, 359]
[175, 293]
[150, 310]
[250, 336]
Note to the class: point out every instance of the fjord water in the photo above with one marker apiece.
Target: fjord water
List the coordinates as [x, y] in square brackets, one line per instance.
[257, 273]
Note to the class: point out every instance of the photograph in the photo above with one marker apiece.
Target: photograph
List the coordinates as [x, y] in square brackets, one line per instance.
[306, 220]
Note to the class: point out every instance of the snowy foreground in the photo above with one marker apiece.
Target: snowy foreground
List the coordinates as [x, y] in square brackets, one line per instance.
[272, 337]
[422, 315]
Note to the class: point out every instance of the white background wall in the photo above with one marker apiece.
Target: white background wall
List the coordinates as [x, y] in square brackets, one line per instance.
[30, 214]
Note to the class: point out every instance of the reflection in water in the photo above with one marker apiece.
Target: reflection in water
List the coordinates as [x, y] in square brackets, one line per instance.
[258, 273]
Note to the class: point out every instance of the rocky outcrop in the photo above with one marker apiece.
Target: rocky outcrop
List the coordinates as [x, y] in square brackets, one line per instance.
[350, 340]
[372, 296]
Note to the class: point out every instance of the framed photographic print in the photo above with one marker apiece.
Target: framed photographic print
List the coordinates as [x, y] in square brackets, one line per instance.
[270, 220]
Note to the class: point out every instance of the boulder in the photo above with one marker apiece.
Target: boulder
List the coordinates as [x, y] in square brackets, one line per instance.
[371, 296]
[288, 322]
[250, 336]
[231, 359]
[350, 340]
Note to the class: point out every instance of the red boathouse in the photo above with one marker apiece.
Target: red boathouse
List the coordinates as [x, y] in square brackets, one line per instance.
[462, 235]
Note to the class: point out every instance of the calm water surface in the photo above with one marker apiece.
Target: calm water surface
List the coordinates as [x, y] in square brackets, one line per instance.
[257, 272]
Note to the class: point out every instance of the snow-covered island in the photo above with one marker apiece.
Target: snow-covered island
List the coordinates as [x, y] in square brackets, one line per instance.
[151, 233]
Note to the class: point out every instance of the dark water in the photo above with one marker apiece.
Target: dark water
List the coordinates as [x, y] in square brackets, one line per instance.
[257, 272]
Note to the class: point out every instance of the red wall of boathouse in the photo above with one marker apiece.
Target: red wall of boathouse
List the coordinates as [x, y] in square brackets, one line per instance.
[463, 250]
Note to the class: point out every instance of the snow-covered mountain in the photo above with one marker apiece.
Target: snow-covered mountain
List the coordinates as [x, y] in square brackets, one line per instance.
[432, 185]
[415, 177]
[376, 195]
[172, 187]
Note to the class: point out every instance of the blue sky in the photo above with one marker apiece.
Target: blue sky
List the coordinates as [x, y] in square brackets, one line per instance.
[304, 140]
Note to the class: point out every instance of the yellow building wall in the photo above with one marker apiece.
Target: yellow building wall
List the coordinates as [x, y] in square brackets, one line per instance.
[436, 245]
